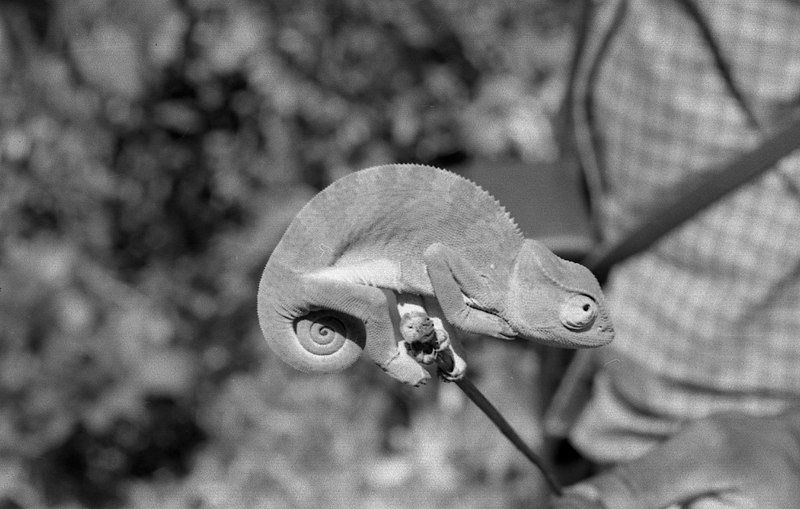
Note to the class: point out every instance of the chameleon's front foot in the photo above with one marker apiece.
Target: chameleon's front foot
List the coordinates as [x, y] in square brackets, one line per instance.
[427, 344]
[456, 372]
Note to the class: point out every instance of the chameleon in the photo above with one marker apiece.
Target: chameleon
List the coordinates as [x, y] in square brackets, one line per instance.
[324, 295]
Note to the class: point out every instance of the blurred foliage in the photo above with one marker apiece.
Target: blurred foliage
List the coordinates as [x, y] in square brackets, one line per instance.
[152, 152]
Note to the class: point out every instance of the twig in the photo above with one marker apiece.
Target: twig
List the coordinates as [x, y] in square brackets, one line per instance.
[445, 361]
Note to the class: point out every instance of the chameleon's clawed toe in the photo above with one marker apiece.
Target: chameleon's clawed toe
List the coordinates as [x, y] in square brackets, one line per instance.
[405, 369]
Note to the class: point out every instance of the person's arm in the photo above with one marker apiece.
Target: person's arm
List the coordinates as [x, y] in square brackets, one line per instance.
[727, 460]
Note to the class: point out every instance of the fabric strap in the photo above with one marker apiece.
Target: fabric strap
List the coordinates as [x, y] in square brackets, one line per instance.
[696, 196]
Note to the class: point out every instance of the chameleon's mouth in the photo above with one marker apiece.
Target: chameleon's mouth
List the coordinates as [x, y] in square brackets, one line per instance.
[508, 336]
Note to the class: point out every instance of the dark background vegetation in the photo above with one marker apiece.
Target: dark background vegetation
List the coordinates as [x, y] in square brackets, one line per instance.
[152, 153]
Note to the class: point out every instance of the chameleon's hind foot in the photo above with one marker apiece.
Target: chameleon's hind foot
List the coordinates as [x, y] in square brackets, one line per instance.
[404, 368]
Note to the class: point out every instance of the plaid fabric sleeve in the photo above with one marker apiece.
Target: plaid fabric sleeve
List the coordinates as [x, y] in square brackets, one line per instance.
[709, 318]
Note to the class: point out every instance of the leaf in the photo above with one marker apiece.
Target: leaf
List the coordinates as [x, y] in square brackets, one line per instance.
[108, 57]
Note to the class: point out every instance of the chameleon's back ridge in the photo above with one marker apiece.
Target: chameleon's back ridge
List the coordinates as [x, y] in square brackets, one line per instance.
[396, 212]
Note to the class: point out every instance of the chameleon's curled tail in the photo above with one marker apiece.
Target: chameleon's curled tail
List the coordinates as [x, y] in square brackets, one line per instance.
[307, 337]
[323, 341]
[323, 325]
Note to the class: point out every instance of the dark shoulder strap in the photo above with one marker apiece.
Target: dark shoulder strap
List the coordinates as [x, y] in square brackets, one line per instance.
[695, 197]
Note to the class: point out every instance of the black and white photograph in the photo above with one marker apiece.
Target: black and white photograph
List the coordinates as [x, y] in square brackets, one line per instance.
[386, 254]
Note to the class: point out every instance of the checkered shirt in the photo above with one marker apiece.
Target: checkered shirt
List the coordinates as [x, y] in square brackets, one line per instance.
[709, 318]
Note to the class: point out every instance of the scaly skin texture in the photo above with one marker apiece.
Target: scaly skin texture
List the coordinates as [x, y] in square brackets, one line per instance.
[418, 230]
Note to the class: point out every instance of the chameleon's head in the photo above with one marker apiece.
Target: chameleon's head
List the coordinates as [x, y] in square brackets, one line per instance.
[556, 302]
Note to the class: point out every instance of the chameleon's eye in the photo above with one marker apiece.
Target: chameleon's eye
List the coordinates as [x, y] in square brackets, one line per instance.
[578, 313]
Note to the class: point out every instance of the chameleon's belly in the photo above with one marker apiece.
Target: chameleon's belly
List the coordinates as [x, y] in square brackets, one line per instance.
[382, 273]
